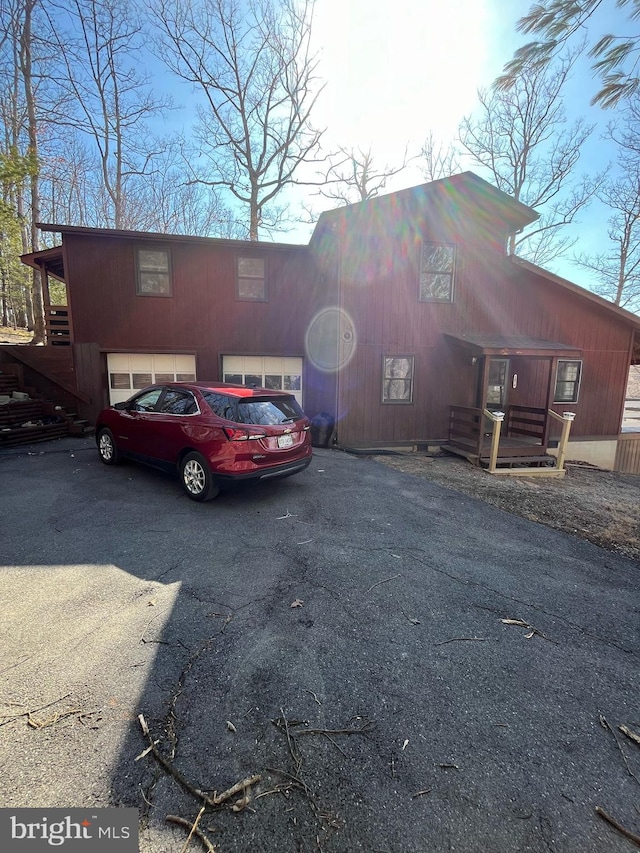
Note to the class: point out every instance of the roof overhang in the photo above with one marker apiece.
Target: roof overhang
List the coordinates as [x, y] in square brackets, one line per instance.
[512, 345]
[51, 260]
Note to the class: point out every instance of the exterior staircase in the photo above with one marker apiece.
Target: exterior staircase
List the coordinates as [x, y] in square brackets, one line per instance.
[26, 417]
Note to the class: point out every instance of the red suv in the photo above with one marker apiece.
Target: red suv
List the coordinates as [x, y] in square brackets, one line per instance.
[211, 433]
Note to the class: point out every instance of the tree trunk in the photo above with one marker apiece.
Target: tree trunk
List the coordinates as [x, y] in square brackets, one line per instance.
[39, 336]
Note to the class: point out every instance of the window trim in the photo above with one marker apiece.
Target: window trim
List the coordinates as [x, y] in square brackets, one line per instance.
[139, 270]
[265, 291]
[398, 402]
[421, 270]
[577, 383]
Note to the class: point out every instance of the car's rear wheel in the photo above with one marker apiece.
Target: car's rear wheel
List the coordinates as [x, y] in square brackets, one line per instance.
[107, 447]
[196, 478]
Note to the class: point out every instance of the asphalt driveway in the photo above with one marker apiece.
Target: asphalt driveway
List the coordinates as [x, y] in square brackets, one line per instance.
[392, 709]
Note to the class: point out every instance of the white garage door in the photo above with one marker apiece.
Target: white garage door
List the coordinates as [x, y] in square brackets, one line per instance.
[266, 371]
[128, 372]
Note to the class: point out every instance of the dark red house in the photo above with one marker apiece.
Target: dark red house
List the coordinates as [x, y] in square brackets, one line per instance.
[403, 321]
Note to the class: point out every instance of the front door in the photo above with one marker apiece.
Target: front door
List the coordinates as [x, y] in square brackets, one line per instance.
[497, 384]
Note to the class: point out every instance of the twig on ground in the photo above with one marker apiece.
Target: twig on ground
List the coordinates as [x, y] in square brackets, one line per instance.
[532, 631]
[461, 640]
[367, 727]
[385, 580]
[611, 820]
[605, 725]
[421, 793]
[236, 789]
[217, 799]
[314, 696]
[631, 735]
[337, 745]
[193, 830]
[43, 724]
[29, 713]
[295, 779]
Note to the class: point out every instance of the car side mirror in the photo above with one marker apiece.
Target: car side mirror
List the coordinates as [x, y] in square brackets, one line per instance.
[121, 407]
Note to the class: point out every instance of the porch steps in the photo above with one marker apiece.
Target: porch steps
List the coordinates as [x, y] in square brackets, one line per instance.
[520, 461]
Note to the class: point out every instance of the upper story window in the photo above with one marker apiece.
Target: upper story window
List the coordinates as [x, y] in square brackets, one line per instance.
[567, 381]
[153, 268]
[251, 279]
[397, 379]
[437, 267]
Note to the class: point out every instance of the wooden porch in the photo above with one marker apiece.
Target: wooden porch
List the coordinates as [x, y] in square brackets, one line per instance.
[512, 442]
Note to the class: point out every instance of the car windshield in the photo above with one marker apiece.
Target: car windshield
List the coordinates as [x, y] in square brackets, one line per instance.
[256, 410]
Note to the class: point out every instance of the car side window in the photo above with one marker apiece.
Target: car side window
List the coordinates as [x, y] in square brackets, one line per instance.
[221, 405]
[146, 402]
[176, 402]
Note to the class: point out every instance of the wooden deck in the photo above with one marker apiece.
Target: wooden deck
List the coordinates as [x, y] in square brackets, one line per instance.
[476, 435]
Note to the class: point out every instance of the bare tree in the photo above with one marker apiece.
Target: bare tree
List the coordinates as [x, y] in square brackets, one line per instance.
[354, 176]
[558, 22]
[105, 97]
[253, 64]
[438, 160]
[522, 139]
[170, 203]
[618, 269]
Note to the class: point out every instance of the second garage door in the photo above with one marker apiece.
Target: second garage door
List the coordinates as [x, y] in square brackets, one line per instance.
[282, 374]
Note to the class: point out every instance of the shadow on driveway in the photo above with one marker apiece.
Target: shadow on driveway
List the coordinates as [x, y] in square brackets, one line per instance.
[409, 716]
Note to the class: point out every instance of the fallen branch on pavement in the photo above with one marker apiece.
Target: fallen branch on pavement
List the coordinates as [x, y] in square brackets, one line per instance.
[605, 725]
[193, 830]
[611, 820]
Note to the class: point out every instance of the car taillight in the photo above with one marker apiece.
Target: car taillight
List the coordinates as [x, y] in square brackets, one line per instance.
[234, 434]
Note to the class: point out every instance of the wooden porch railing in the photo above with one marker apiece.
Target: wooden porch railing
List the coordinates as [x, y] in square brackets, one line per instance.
[477, 433]
[466, 429]
[497, 418]
[57, 320]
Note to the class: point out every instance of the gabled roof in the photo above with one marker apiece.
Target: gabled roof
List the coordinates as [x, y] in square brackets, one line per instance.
[164, 238]
[465, 191]
[621, 313]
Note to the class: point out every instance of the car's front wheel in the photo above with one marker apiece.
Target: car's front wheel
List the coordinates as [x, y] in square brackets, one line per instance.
[196, 478]
[107, 447]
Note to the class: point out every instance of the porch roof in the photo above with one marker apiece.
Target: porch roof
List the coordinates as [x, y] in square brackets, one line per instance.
[49, 259]
[510, 345]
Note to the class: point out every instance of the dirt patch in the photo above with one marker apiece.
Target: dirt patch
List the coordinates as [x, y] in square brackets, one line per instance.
[601, 506]
[9, 335]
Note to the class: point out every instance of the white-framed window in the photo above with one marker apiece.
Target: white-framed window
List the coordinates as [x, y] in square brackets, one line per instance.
[153, 272]
[397, 378]
[568, 378]
[251, 283]
[437, 269]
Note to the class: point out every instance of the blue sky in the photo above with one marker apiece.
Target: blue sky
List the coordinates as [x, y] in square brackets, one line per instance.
[395, 71]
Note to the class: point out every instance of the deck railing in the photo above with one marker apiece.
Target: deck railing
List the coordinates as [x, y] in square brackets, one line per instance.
[466, 429]
[527, 422]
[57, 321]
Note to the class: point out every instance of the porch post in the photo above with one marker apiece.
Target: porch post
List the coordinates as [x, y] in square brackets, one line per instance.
[567, 420]
[497, 418]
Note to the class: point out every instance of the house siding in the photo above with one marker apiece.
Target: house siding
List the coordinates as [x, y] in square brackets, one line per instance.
[379, 290]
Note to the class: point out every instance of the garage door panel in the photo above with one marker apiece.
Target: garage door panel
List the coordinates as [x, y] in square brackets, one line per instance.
[129, 372]
[273, 372]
